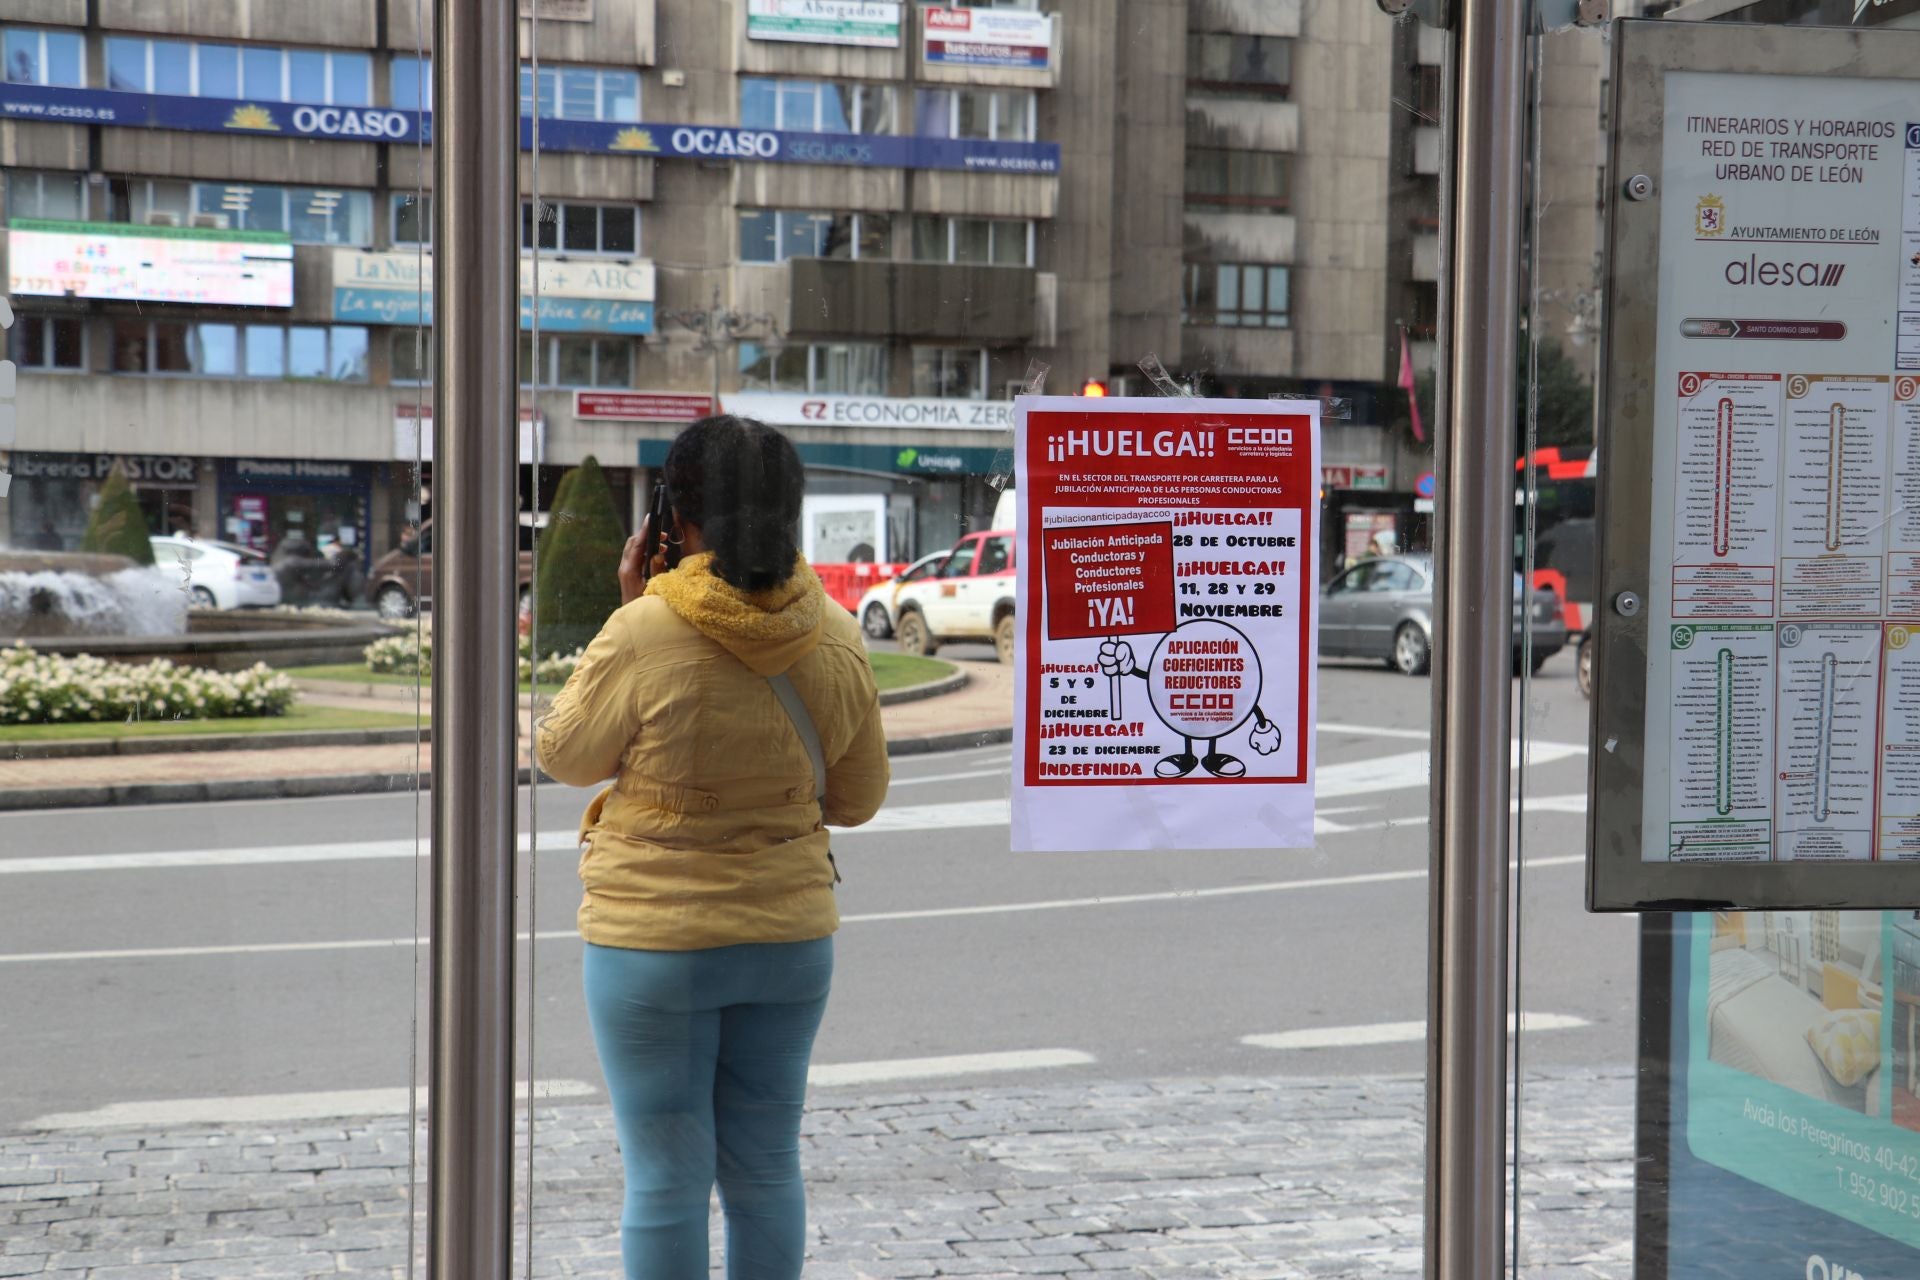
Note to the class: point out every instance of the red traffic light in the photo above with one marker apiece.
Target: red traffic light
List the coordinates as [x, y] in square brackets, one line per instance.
[1093, 387]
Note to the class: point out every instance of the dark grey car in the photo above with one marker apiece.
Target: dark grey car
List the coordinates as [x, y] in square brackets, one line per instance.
[1383, 609]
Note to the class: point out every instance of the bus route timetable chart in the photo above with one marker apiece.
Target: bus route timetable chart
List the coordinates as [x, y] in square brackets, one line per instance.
[1783, 683]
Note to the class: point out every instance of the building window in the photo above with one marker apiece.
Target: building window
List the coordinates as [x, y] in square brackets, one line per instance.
[566, 93]
[48, 343]
[1262, 64]
[54, 58]
[322, 353]
[306, 215]
[319, 215]
[1000, 115]
[950, 373]
[410, 82]
[1000, 242]
[570, 227]
[822, 368]
[578, 362]
[771, 235]
[1249, 295]
[812, 106]
[191, 68]
[412, 218]
[59, 196]
[1258, 179]
[410, 355]
[161, 202]
[582, 93]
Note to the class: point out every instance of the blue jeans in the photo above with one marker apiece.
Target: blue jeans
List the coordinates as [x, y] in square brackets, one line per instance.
[705, 1054]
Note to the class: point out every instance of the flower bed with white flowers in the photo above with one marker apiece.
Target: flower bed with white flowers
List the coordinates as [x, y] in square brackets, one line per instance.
[38, 688]
[412, 654]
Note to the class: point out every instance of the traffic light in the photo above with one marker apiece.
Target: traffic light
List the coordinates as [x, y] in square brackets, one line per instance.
[1093, 387]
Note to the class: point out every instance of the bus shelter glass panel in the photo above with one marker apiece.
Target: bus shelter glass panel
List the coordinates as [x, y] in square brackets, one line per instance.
[1573, 1050]
[1754, 1116]
[211, 741]
[1103, 1057]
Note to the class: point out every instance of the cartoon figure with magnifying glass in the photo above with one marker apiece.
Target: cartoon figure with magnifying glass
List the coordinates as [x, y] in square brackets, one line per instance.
[1204, 682]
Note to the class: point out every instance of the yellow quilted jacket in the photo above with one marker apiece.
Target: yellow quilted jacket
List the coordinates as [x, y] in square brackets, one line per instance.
[709, 834]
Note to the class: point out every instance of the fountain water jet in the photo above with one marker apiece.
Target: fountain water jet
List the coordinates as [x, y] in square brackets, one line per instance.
[55, 594]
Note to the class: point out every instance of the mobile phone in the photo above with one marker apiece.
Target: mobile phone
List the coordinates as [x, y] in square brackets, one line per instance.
[653, 535]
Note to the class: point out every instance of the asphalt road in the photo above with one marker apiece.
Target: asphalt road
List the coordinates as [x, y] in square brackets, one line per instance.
[154, 959]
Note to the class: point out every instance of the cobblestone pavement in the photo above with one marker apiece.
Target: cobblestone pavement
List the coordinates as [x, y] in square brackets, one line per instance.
[1236, 1179]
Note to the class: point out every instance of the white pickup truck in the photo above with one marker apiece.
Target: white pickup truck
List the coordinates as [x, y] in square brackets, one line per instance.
[967, 597]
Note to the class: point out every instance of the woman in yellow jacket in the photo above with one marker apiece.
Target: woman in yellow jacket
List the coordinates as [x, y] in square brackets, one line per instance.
[709, 908]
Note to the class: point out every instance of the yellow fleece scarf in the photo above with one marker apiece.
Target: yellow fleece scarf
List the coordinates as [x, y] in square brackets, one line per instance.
[767, 630]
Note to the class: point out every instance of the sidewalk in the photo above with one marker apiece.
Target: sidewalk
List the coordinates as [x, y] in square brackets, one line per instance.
[1226, 1179]
[981, 711]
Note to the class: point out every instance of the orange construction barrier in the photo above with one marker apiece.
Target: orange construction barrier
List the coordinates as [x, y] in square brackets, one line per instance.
[846, 583]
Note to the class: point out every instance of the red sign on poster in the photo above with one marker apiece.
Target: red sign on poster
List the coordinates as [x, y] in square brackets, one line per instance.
[640, 406]
[1108, 580]
[1172, 543]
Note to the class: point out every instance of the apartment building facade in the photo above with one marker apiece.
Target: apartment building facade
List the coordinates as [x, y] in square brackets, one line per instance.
[868, 222]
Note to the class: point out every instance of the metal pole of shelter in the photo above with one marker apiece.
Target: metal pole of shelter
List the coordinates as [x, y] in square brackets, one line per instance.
[1473, 652]
[476, 151]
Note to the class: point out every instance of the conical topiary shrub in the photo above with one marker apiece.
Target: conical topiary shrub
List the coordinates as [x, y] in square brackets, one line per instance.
[577, 583]
[118, 527]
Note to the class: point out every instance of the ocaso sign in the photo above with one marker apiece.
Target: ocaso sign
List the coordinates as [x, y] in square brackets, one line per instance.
[351, 122]
[752, 143]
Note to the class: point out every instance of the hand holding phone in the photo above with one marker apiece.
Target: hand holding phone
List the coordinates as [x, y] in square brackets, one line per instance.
[648, 551]
[653, 528]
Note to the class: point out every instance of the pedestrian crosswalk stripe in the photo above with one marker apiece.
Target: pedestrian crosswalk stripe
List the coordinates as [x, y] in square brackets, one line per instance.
[829, 1075]
[266, 1108]
[1373, 1033]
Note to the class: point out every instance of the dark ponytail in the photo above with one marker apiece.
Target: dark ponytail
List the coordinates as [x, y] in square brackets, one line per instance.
[741, 483]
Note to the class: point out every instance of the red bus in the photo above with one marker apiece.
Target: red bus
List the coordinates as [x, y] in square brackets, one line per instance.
[1565, 556]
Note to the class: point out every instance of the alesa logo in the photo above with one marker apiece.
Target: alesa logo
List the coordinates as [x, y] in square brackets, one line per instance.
[1810, 275]
[1818, 1268]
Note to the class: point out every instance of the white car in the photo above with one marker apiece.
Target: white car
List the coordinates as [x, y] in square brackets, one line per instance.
[876, 610]
[218, 575]
[968, 597]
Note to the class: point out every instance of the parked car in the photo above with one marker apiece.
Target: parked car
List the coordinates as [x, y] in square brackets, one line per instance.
[218, 575]
[876, 608]
[1383, 608]
[968, 595]
[408, 568]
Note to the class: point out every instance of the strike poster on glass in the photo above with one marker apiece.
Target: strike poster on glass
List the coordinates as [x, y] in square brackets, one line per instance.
[1165, 677]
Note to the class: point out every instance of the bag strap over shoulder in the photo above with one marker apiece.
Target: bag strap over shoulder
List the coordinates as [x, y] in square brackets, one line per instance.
[803, 725]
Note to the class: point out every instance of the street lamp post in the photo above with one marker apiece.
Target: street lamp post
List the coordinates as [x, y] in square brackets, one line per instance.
[719, 328]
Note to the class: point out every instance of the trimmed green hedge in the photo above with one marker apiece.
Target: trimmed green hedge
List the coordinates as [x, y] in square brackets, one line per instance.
[577, 584]
[118, 526]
